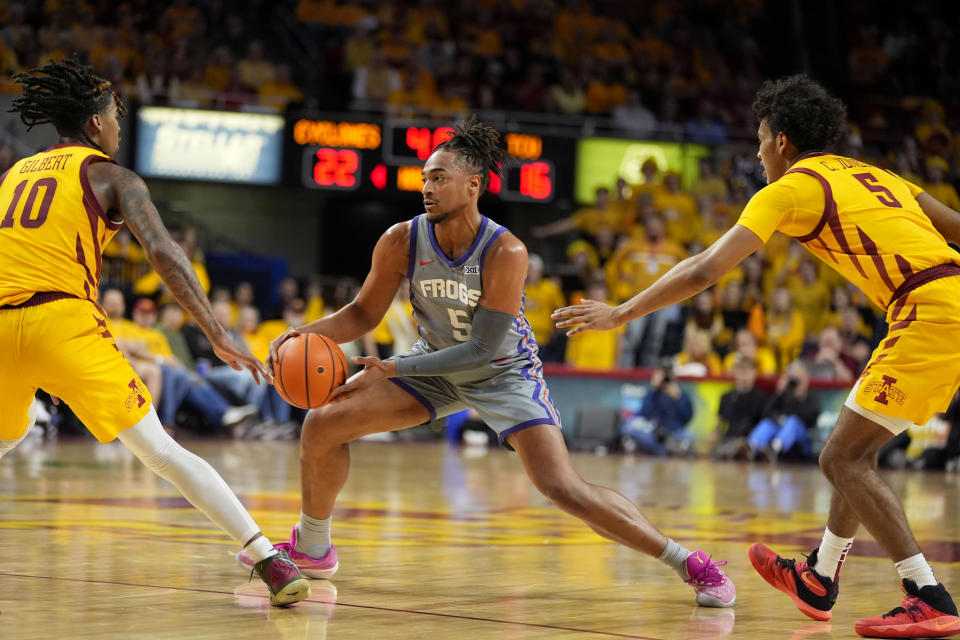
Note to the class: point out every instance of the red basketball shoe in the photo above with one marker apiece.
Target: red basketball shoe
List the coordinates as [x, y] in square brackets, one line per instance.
[813, 594]
[283, 579]
[925, 613]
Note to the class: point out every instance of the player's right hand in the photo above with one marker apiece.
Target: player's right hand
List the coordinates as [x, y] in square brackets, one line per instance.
[588, 315]
[239, 357]
[274, 354]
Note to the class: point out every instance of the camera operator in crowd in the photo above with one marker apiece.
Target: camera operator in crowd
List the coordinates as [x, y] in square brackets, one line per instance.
[741, 409]
[787, 418]
[660, 427]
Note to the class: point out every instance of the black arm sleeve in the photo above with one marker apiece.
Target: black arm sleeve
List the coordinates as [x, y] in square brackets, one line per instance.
[486, 334]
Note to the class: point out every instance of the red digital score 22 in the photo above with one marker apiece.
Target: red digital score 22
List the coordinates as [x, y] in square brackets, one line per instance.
[336, 168]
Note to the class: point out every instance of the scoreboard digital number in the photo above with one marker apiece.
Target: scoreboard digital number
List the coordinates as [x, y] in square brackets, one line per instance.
[351, 156]
[329, 168]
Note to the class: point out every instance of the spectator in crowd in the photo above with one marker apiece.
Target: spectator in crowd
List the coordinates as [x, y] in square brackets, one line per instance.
[704, 318]
[587, 220]
[633, 117]
[151, 286]
[661, 425]
[741, 409]
[293, 314]
[144, 344]
[568, 95]
[745, 345]
[706, 126]
[650, 184]
[633, 267]
[316, 305]
[593, 349]
[288, 289]
[697, 359]
[541, 297]
[785, 329]
[255, 71]
[811, 295]
[710, 182]
[830, 361]
[937, 187]
[279, 91]
[171, 321]
[787, 417]
[248, 323]
[376, 82]
[126, 335]
[679, 210]
[734, 315]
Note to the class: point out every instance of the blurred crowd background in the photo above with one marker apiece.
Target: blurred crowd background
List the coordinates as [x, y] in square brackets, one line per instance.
[679, 70]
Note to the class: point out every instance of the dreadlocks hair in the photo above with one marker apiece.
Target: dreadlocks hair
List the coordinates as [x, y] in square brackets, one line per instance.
[64, 94]
[479, 148]
[803, 110]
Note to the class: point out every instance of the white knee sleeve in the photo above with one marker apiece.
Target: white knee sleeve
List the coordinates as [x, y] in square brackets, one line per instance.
[193, 476]
[9, 445]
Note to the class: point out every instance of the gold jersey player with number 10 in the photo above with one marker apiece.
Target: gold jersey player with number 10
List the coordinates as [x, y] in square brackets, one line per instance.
[889, 238]
[60, 207]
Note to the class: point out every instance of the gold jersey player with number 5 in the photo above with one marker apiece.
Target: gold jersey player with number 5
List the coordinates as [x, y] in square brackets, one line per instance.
[889, 238]
[59, 209]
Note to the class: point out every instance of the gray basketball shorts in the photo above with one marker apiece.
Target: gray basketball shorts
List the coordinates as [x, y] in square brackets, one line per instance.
[509, 394]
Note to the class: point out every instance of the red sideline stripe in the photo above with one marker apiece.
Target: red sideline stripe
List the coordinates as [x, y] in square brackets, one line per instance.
[639, 373]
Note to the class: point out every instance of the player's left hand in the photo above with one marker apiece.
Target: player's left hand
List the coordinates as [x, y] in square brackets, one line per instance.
[374, 370]
[590, 315]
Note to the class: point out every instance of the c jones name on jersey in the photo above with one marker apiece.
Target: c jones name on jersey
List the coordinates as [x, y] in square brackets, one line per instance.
[449, 289]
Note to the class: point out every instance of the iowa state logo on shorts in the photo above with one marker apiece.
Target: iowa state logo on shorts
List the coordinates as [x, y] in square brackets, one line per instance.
[885, 390]
[136, 397]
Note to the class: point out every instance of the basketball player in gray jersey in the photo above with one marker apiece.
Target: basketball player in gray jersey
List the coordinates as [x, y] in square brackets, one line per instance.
[476, 350]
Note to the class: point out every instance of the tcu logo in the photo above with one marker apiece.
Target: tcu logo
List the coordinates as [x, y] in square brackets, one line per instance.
[885, 390]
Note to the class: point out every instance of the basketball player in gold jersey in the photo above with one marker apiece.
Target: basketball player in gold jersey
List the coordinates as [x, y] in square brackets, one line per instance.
[889, 238]
[59, 209]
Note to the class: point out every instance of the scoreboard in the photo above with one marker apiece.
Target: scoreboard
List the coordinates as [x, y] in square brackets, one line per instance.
[387, 158]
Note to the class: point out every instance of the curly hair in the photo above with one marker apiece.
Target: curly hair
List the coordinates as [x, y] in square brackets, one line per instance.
[479, 149]
[64, 94]
[803, 110]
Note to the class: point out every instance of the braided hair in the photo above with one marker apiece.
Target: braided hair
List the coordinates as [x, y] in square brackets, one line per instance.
[64, 94]
[479, 149]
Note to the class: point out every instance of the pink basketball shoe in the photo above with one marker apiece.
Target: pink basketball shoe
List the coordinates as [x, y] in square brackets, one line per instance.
[317, 568]
[714, 588]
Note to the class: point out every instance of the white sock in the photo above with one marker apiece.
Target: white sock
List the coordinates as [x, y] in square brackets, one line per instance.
[675, 556]
[260, 549]
[313, 536]
[831, 554]
[917, 569]
[196, 480]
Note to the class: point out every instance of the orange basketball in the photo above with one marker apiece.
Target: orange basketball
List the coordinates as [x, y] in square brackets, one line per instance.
[309, 367]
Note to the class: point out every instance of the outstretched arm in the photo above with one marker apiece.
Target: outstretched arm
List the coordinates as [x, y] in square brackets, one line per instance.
[685, 279]
[945, 219]
[124, 191]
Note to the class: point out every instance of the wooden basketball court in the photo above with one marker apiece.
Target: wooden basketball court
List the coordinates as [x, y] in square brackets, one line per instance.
[434, 542]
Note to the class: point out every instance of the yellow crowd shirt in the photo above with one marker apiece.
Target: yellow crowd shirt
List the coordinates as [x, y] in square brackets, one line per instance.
[52, 229]
[540, 299]
[861, 220]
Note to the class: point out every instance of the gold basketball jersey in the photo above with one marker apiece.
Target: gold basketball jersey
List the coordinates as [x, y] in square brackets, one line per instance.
[52, 229]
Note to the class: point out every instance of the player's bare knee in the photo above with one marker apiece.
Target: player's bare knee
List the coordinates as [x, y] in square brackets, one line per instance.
[567, 494]
[323, 430]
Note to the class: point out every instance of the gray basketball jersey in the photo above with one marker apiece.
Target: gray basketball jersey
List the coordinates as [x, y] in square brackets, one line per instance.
[509, 391]
[444, 292]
